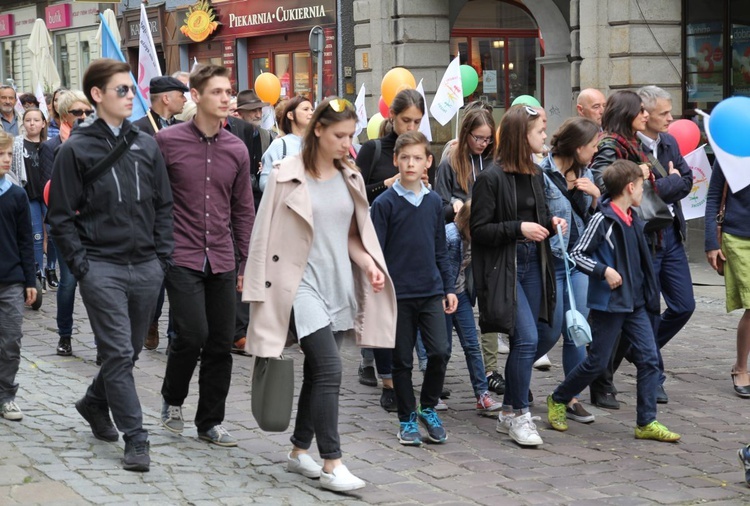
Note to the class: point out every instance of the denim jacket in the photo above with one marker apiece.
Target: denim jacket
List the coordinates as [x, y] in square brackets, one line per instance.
[560, 206]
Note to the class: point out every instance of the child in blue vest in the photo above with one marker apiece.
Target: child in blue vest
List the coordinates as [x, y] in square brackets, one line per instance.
[409, 221]
[622, 292]
[17, 278]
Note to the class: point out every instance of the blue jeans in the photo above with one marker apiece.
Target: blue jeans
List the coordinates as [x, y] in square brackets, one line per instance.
[525, 338]
[38, 210]
[66, 298]
[605, 327]
[466, 328]
[549, 334]
[676, 286]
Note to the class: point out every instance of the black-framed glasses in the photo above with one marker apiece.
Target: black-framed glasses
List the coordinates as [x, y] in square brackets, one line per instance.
[481, 140]
[122, 90]
[80, 112]
[531, 111]
[339, 104]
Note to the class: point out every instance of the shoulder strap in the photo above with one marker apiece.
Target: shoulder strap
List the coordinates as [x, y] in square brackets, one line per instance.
[283, 148]
[112, 158]
[656, 164]
[573, 204]
[375, 159]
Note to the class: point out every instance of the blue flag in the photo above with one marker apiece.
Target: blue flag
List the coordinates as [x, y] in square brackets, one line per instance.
[111, 49]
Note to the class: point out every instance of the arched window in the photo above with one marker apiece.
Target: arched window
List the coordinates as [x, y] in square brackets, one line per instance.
[500, 39]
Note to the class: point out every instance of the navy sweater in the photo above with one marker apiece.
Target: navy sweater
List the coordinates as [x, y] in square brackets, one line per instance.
[737, 219]
[16, 239]
[413, 242]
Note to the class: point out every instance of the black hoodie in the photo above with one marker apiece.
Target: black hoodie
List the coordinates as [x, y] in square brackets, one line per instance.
[125, 216]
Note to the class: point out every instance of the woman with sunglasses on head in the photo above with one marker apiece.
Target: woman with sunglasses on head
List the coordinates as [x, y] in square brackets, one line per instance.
[624, 116]
[571, 194]
[512, 259]
[72, 107]
[28, 168]
[317, 266]
[295, 117]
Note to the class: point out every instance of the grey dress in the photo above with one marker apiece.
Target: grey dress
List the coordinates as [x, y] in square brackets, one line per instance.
[326, 294]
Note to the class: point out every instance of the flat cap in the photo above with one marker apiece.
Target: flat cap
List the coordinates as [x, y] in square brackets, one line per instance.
[164, 84]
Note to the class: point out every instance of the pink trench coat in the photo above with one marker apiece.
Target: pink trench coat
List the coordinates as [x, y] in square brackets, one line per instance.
[279, 247]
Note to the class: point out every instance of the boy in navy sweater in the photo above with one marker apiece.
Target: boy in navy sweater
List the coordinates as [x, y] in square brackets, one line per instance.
[17, 279]
[622, 291]
[409, 222]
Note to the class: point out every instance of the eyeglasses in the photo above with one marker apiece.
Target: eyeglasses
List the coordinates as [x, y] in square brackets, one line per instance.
[122, 90]
[340, 104]
[80, 112]
[481, 140]
[531, 111]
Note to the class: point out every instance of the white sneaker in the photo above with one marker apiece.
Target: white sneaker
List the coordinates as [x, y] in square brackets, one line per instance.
[543, 364]
[441, 405]
[303, 464]
[11, 411]
[502, 344]
[503, 422]
[523, 430]
[340, 480]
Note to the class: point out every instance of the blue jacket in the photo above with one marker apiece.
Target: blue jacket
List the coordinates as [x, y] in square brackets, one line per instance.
[560, 206]
[673, 188]
[737, 213]
[602, 245]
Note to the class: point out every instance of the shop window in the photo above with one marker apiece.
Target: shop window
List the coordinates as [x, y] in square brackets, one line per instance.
[500, 40]
[18, 64]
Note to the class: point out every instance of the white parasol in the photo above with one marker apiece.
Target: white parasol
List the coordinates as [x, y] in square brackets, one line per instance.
[43, 70]
[111, 19]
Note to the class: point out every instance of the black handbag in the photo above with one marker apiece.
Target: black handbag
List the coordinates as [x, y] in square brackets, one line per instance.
[653, 210]
[273, 393]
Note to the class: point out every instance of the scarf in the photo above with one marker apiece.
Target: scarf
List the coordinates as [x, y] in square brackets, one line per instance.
[65, 131]
[626, 149]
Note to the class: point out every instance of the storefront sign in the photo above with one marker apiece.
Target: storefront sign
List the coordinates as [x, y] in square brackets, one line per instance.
[270, 16]
[227, 58]
[329, 63]
[134, 28]
[84, 14]
[58, 16]
[6, 25]
[200, 21]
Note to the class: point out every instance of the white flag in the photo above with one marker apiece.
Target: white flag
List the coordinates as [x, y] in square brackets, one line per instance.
[359, 106]
[148, 63]
[42, 101]
[268, 117]
[449, 97]
[195, 64]
[734, 167]
[694, 205]
[424, 126]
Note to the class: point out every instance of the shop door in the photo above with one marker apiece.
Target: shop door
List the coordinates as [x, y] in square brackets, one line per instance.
[294, 70]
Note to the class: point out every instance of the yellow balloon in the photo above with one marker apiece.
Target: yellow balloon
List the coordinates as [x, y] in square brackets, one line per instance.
[373, 126]
[268, 87]
[395, 80]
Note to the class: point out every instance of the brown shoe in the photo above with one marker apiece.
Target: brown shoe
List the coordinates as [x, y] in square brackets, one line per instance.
[238, 346]
[152, 338]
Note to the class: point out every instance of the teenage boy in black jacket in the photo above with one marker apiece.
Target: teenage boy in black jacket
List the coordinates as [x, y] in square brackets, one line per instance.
[115, 233]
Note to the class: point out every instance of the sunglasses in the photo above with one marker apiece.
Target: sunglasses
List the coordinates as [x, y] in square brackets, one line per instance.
[80, 112]
[340, 104]
[481, 140]
[531, 111]
[122, 90]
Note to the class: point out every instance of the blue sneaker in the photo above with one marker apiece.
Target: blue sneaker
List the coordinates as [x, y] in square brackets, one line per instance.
[744, 455]
[431, 421]
[409, 433]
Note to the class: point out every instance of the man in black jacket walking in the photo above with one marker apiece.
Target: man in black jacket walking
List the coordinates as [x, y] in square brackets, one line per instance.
[113, 225]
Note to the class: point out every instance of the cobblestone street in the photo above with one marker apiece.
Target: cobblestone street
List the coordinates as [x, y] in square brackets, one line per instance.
[51, 456]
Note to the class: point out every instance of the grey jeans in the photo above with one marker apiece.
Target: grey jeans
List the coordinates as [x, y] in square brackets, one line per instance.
[11, 319]
[120, 301]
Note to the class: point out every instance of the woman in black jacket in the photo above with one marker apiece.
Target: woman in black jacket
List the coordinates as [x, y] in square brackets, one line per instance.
[512, 260]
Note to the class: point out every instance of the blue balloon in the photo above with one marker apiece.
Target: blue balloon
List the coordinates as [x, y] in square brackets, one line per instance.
[730, 124]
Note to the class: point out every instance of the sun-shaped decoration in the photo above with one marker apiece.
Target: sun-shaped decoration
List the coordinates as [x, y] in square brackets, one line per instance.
[200, 21]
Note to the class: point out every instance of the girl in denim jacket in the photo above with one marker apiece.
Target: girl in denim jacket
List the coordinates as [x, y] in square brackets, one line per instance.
[571, 194]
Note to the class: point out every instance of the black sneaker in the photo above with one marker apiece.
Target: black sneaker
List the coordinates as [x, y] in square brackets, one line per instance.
[431, 421]
[136, 457]
[388, 400]
[496, 383]
[367, 376]
[98, 358]
[52, 280]
[64, 349]
[99, 420]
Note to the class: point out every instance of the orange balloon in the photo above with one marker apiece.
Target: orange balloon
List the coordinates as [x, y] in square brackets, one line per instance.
[395, 80]
[268, 87]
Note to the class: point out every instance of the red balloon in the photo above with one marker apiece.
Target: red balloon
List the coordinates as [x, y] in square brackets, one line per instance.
[46, 193]
[687, 134]
[383, 107]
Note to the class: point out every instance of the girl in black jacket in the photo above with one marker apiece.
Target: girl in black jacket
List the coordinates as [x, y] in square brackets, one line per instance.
[512, 260]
